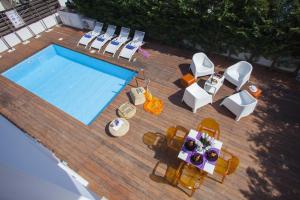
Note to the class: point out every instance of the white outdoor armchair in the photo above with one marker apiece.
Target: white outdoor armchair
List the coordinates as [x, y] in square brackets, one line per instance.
[201, 65]
[241, 104]
[195, 97]
[238, 74]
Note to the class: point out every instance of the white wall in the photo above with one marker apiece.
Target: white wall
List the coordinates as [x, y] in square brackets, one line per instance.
[25, 164]
[15, 185]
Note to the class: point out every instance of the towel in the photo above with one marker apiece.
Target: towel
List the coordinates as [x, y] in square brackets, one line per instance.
[130, 46]
[100, 39]
[115, 42]
[87, 36]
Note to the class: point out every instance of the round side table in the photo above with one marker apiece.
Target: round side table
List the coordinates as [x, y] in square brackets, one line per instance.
[118, 127]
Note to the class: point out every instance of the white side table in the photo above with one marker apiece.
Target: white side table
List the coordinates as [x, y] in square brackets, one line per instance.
[213, 84]
[118, 127]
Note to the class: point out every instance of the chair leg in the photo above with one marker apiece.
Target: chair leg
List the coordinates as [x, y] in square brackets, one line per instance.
[238, 118]
[221, 104]
[156, 165]
[223, 178]
[192, 193]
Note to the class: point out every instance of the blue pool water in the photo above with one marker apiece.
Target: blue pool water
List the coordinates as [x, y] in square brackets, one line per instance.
[79, 85]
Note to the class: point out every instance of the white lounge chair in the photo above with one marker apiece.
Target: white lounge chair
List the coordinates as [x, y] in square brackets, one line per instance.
[241, 104]
[238, 74]
[12, 40]
[196, 97]
[89, 36]
[130, 48]
[116, 43]
[104, 38]
[37, 28]
[25, 34]
[201, 65]
[3, 46]
[49, 22]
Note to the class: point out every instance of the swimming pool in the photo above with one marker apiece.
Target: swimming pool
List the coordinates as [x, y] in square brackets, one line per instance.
[79, 85]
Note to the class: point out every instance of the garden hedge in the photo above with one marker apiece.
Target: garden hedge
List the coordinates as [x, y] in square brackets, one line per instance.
[260, 27]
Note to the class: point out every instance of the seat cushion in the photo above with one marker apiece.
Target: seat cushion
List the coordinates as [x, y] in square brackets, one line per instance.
[196, 91]
[233, 74]
[206, 63]
[246, 98]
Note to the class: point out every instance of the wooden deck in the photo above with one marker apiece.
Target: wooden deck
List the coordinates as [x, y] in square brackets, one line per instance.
[120, 168]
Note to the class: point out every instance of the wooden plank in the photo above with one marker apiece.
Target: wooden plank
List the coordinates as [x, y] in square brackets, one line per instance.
[120, 168]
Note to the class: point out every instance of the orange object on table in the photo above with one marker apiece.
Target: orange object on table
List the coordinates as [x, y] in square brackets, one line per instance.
[187, 79]
[153, 105]
[256, 94]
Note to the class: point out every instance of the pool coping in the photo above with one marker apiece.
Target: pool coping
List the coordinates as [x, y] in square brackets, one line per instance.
[94, 56]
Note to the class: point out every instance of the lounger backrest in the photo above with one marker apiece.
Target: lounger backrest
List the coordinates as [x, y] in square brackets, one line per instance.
[110, 30]
[37, 27]
[98, 28]
[138, 36]
[3, 46]
[124, 33]
[12, 39]
[24, 33]
[50, 21]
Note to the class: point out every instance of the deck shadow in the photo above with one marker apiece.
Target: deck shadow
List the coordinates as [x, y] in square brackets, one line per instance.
[184, 68]
[176, 99]
[275, 146]
[222, 109]
[165, 157]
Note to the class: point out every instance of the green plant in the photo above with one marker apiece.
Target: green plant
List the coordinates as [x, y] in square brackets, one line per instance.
[260, 27]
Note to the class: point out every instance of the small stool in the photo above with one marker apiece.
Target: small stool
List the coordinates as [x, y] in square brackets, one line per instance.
[137, 95]
[118, 127]
[256, 94]
[126, 110]
[187, 80]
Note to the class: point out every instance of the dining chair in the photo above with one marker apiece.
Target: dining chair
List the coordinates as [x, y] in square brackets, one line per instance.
[174, 139]
[154, 140]
[209, 126]
[170, 176]
[190, 177]
[227, 164]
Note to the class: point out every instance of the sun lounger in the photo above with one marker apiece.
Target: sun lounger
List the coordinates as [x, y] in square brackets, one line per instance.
[49, 22]
[25, 34]
[130, 48]
[88, 37]
[12, 40]
[37, 28]
[104, 38]
[116, 43]
[3, 46]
